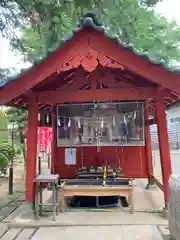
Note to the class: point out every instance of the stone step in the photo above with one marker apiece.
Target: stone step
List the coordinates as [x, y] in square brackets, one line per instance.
[26, 234]
[11, 234]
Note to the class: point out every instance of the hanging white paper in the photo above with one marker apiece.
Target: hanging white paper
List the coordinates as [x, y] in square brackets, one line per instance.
[70, 156]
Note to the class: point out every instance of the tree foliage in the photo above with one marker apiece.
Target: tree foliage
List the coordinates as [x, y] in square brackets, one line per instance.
[3, 127]
[41, 24]
[6, 154]
[18, 116]
[4, 72]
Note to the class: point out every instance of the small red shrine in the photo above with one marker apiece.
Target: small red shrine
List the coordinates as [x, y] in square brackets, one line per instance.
[95, 85]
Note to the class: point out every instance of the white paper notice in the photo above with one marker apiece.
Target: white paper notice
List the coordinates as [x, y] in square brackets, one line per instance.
[70, 156]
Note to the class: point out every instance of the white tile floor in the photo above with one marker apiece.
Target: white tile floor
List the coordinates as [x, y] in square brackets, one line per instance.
[121, 232]
[131, 232]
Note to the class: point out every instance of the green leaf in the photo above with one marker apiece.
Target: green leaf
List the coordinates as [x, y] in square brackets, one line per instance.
[56, 19]
[46, 2]
[43, 23]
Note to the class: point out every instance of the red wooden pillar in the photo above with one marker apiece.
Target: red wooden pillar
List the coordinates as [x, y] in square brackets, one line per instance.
[54, 137]
[148, 148]
[31, 148]
[163, 145]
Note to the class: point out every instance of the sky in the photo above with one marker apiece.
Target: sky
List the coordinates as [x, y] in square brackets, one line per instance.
[168, 8]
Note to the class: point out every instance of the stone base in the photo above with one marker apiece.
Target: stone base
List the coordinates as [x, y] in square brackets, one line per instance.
[27, 211]
[151, 183]
[165, 213]
[150, 186]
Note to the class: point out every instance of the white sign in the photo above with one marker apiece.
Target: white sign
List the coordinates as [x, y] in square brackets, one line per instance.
[70, 156]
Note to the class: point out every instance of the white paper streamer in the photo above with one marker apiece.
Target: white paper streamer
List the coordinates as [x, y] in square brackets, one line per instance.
[69, 123]
[79, 124]
[102, 123]
[59, 122]
[47, 118]
[114, 123]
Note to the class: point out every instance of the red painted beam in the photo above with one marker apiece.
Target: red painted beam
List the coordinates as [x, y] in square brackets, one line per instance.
[117, 94]
[164, 149]
[31, 148]
[77, 81]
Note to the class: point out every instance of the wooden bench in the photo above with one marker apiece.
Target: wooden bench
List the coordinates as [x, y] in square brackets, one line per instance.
[88, 190]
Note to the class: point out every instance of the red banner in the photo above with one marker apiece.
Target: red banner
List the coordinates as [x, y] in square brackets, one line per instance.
[43, 138]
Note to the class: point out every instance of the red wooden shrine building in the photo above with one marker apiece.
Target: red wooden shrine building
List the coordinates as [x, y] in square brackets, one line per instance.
[95, 71]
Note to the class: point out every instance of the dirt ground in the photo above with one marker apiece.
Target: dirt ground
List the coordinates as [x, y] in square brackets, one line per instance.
[18, 181]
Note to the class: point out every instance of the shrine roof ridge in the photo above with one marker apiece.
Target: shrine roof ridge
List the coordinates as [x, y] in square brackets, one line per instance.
[90, 20]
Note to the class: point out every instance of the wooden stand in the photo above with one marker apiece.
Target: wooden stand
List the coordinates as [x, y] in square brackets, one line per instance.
[39, 181]
[77, 190]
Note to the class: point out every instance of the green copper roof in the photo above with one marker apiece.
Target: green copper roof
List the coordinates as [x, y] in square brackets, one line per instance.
[90, 20]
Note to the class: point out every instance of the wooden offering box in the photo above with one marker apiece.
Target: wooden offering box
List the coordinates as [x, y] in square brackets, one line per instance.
[77, 187]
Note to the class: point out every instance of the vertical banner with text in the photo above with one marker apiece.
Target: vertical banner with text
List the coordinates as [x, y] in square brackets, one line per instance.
[43, 138]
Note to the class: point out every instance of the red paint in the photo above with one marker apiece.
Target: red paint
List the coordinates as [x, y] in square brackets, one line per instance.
[31, 149]
[132, 159]
[78, 77]
[54, 137]
[163, 145]
[77, 81]
[115, 94]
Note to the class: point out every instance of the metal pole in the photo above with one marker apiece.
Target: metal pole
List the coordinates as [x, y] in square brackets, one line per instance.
[49, 166]
[39, 165]
[11, 163]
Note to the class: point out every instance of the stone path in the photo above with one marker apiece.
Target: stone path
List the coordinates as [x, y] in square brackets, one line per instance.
[128, 232]
[9, 206]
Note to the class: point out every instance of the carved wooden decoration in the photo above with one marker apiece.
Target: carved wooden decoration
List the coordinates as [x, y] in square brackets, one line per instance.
[105, 61]
[73, 63]
[89, 60]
